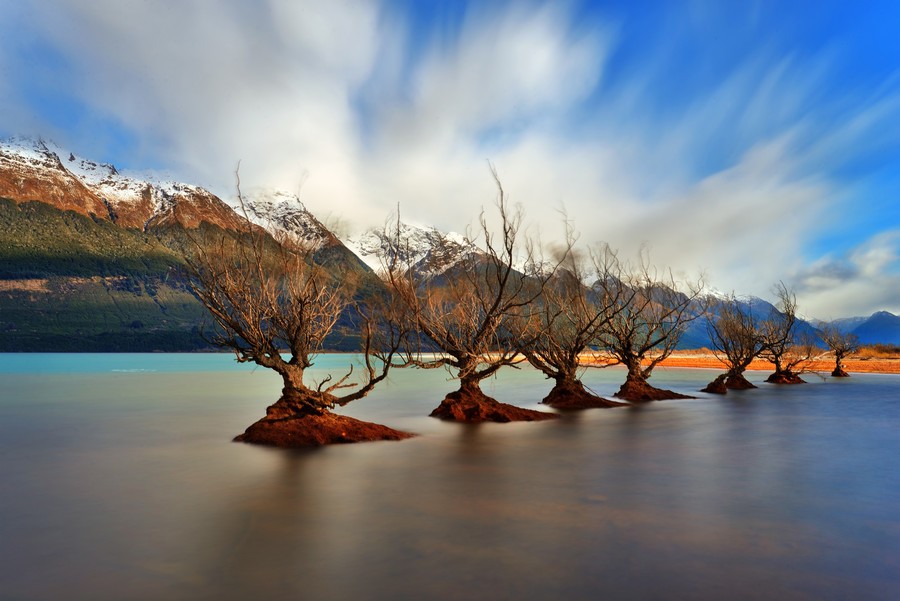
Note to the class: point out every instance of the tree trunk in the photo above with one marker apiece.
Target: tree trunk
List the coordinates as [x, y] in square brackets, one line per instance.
[736, 381]
[297, 400]
[300, 418]
[839, 369]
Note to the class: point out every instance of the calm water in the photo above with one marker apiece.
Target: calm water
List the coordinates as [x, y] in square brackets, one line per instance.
[119, 482]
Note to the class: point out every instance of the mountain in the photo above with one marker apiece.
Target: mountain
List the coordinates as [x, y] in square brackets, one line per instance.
[697, 334]
[38, 170]
[428, 251]
[89, 255]
[285, 217]
[879, 328]
[844, 324]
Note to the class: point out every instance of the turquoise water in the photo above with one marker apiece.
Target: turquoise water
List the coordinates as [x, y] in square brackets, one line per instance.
[120, 482]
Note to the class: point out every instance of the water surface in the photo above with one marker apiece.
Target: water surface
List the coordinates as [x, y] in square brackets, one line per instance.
[119, 481]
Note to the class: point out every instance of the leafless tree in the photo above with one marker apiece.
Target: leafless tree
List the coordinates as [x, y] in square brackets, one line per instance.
[646, 321]
[841, 344]
[566, 322]
[274, 306]
[464, 313]
[736, 341]
[780, 345]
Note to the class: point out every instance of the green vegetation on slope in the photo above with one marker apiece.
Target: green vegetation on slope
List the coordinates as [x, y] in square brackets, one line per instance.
[71, 283]
[37, 240]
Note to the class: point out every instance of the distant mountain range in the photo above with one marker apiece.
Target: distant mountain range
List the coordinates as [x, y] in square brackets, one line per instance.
[881, 327]
[88, 259]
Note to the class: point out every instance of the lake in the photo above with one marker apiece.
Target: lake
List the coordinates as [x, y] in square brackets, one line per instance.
[119, 481]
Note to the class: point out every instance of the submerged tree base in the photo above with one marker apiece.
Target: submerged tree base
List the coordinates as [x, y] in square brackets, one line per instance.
[289, 428]
[726, 382]
[573, 396]
[637, 390]
[839, 373]
[717, 386]
[473, 407]
[785, 377]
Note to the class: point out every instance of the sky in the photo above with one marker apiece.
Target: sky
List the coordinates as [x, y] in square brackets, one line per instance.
[750, 142]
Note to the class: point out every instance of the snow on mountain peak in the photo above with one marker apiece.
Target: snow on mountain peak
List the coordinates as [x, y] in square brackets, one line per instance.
[285, 216]
[112, 186]
[427, 250]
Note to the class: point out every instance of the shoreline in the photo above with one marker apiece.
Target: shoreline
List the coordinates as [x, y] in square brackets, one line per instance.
[700, 360]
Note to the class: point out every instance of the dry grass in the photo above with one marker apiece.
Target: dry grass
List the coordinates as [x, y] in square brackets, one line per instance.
[878, 351]
[876, 359]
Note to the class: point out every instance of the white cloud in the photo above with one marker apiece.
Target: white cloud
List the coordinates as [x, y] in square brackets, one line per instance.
[860, 282]
[736, 180]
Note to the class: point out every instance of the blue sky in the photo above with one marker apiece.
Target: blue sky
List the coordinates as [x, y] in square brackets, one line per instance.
[752, 141]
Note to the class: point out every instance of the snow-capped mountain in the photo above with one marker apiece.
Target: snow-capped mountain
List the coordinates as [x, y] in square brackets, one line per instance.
[284, 216]
[35, 169]
[427, 251]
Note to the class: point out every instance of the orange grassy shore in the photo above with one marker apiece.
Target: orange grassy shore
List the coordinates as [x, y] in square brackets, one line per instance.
[860, 363]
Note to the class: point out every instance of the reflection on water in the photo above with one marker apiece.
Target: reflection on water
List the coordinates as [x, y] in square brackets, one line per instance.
[121, 483]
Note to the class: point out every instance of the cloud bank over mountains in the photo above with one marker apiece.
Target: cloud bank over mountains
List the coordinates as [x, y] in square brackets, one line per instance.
[753, 143]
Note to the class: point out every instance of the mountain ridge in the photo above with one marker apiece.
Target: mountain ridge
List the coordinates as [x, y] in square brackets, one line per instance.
[123, 214]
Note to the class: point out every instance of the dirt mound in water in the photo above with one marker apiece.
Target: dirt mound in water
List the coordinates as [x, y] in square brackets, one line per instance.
[785, 377]
[717, 386]
[316, 430]
[636, 390]
[473, 407]
[573, 396]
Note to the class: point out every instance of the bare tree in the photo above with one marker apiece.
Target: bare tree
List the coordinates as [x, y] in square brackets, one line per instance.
[566, 322]
[274, 306]
[736, 341]
[645, 322]
[780, 345]
[841, 344]
[465, 313]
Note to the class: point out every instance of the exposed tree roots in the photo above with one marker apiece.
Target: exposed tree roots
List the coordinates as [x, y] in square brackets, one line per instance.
[573, 396]
[839, 373]
[472, 406]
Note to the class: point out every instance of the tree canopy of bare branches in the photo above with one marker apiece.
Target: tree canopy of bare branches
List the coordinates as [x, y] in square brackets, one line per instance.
[566, 321]
[780, 343]
[735, 339]
[841, 344]
[646, 321]
[464, 313]
[274, 306]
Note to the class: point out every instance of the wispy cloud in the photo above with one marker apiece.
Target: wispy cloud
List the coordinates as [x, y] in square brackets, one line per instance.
[734, 157]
